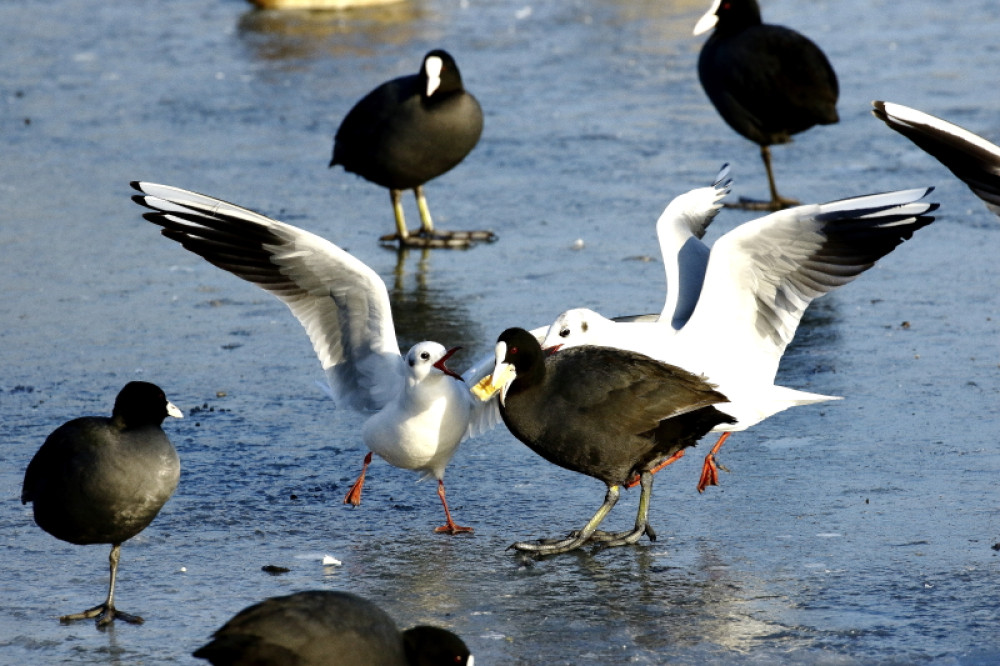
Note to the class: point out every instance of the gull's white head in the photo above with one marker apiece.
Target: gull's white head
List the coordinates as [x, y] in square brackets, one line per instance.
[432, 69]
[575, 327]
[427, 358]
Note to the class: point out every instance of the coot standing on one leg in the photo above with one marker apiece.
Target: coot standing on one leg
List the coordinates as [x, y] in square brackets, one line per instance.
[408, 131]
[103, 480]
[608, 413]
[767, 82]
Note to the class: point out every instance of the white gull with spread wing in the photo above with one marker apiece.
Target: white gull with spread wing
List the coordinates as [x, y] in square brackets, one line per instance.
[422, 410]
[731, 310]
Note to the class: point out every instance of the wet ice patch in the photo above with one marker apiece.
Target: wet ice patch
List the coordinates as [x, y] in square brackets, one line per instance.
[786, 442]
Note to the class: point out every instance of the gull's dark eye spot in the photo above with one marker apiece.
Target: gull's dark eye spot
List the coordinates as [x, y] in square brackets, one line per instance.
[425, 355]
[564, 333]
[584, 327]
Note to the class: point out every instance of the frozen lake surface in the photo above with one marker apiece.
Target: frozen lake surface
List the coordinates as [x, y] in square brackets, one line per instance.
[853, 532]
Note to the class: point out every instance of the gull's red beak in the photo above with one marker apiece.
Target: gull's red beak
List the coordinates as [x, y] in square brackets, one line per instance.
[440, 364]
[549, 351]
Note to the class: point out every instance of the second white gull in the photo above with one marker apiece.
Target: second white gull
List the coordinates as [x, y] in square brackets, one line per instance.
[739, 304]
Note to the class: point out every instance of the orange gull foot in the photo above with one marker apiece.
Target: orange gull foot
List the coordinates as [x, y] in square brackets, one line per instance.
[354, 494]
[450, 527]
[710, 470]
[709, 474]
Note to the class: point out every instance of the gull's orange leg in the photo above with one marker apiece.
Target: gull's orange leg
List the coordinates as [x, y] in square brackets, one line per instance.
[634, 481]
[710, 470]
[354, 494]
[450, 527]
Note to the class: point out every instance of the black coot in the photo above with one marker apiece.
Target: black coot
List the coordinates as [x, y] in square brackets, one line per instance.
[608, 413]
[969, 156]
[103, 480]
[767, 82]
[326, 628]
[409, 131]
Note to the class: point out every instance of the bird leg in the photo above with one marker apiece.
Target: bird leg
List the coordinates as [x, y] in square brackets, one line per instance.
[426, 223]
[777, 201]
[106, 613]
[426, 236]
[450, 527]
[629, 537]
[354, 494]
[710, 470]
[634, 481]
[397, 208]
[576, 539]
[448, 238]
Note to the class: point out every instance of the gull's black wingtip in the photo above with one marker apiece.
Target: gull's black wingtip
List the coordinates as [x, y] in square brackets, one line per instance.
[141, 200]
[156, 217]
[878, 110]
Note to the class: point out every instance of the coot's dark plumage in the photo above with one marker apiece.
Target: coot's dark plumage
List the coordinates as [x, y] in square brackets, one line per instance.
[325, 628]
[767, 82]
[103, 480]
[409, 131]
[972, 158]
[608, 413]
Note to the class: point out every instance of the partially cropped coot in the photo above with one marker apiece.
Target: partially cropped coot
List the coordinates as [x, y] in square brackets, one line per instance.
[608, 413]
[767, 82]
[408, 131]
[327, 628]
[103, 480]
